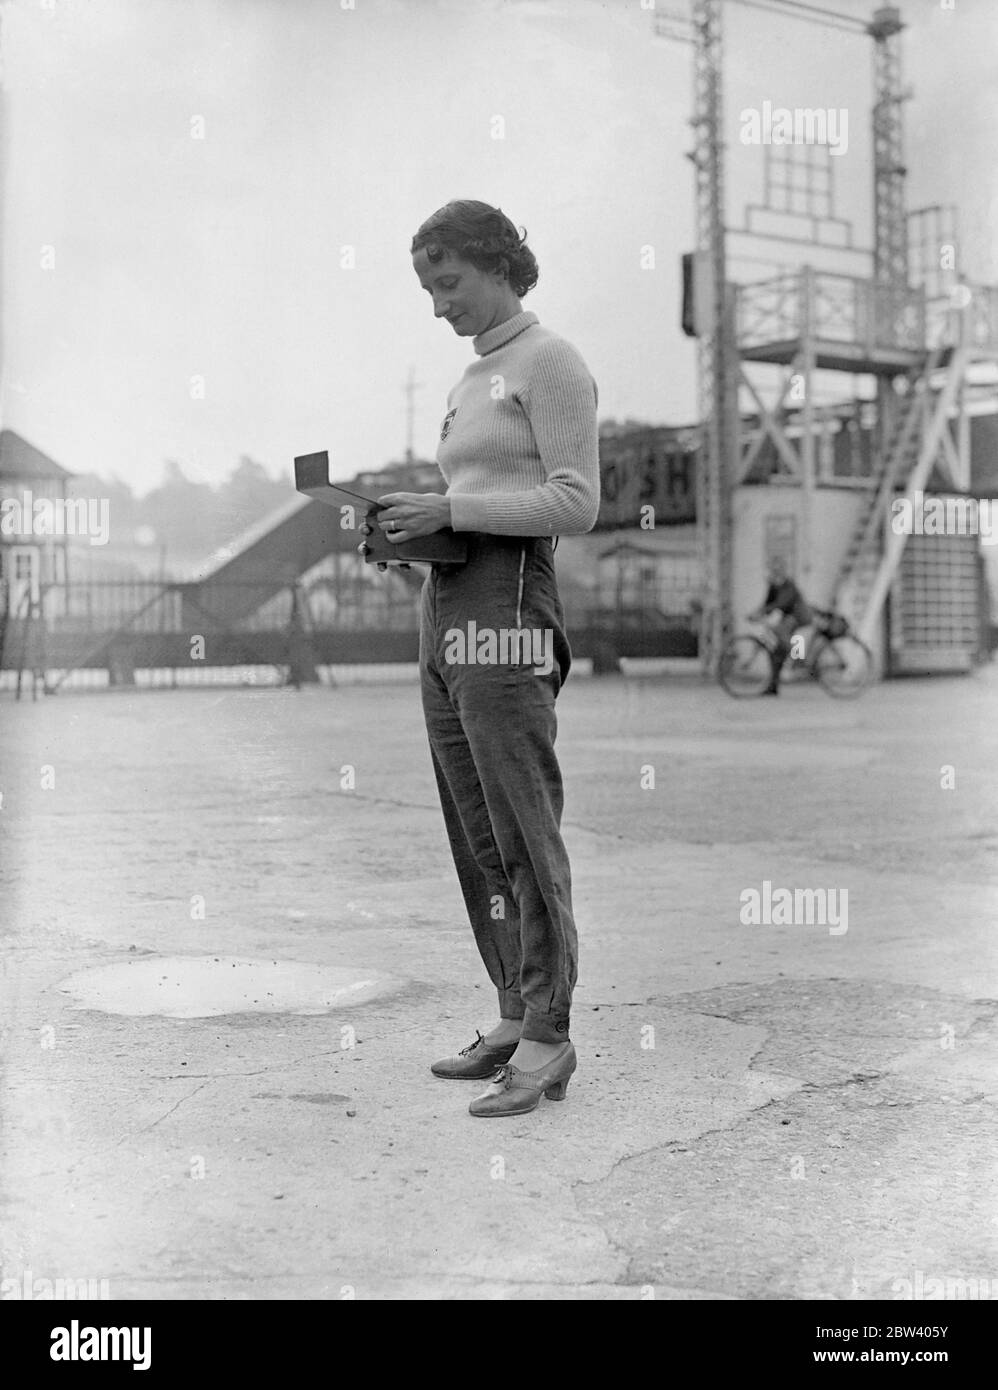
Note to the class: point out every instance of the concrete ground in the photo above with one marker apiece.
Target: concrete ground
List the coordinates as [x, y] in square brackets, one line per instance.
[760, 1111]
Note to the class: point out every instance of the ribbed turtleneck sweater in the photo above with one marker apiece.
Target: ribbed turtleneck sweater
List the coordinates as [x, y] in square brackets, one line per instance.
[519, 445]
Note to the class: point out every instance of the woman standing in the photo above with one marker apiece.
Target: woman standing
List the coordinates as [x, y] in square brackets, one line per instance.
[518, 449]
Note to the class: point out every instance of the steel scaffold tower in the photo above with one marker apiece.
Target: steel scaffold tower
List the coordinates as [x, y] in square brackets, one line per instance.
[913, 427]
[919, 374]
[717, 398]
[890, 223]
[890, 247]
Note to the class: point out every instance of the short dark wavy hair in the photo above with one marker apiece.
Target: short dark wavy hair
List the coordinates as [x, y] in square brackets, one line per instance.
[483, 235]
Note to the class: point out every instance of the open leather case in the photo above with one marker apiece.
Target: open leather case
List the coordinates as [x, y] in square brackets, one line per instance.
[442, 547]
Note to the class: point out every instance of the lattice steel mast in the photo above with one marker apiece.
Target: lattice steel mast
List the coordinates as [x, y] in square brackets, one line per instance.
[717, 397]
[890, 246]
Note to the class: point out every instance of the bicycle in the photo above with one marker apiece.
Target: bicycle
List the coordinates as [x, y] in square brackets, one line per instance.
[838, 660]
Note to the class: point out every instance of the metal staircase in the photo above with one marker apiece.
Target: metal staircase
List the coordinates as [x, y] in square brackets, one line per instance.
[869, 565]
[900, 458]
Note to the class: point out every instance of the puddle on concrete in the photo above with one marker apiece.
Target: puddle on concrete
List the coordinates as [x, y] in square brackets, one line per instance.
[203, 986]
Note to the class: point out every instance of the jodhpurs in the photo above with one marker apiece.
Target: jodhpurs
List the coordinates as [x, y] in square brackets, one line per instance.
[489, 704]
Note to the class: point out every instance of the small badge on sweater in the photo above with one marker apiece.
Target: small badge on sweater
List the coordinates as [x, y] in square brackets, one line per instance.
[448, 421]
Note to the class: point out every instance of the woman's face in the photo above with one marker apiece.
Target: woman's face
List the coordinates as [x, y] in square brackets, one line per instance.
[471, 300]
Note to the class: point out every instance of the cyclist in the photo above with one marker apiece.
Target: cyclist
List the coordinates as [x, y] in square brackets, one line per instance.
[787, 611]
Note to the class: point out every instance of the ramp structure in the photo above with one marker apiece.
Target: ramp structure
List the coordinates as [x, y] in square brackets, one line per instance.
[247, 607]
[270, 557]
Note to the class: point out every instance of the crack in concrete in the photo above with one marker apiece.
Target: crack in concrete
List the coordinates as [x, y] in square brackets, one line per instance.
[133, 1134]
[166, 1114]
[394, 801]
[857, 1079]
[803, 1088]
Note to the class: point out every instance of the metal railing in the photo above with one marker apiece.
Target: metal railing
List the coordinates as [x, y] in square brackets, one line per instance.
[165, 607]
[968, 315]
[831, 307]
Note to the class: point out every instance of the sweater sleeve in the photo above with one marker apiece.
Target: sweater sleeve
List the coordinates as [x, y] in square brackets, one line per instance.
[560, 402]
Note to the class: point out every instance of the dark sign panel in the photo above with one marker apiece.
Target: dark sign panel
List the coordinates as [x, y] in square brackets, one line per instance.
[644, 468]
[984, 455]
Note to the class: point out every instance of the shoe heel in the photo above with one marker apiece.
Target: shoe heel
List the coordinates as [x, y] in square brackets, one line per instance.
[557, 1091]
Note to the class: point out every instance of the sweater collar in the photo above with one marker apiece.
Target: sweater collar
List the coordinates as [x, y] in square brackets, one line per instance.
[503, 333]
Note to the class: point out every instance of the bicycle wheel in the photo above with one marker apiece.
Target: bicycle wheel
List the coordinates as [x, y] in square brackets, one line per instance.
[744, 668]
[844, 667]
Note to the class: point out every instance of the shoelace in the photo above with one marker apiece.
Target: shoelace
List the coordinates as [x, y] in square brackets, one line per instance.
[478, 1039]
[504, 1076]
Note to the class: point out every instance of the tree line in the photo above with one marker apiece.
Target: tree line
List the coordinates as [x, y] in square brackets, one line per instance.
[184, 517]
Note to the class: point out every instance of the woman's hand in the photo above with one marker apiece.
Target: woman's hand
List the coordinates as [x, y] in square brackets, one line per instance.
[408, 515]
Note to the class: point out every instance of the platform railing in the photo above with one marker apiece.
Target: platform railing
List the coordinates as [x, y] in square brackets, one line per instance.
[967, 315]
[768, 311]
[981, 317]
[832, 308]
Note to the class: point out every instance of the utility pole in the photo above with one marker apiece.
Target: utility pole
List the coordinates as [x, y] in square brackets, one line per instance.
[410, 388]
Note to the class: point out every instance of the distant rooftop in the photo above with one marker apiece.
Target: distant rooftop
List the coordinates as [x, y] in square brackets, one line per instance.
[19, 459]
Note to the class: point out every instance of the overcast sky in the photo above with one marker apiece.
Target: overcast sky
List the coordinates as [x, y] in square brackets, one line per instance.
[326, 127]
